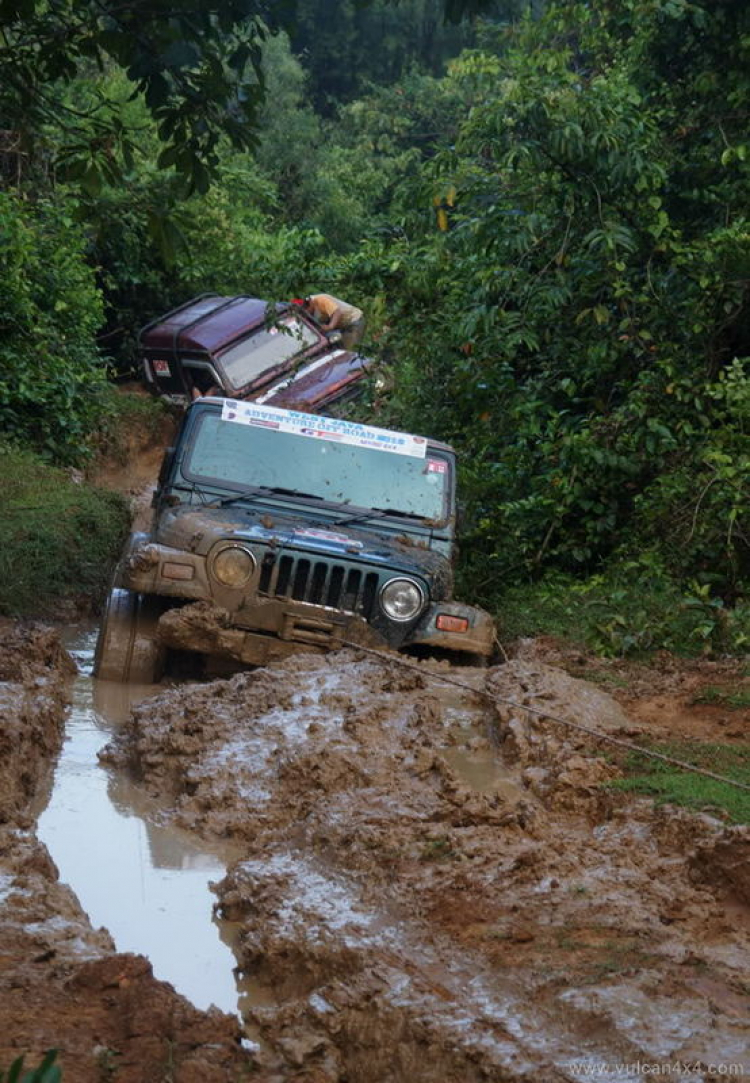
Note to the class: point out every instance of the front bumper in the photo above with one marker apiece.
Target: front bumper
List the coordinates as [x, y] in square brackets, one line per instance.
[251, 628]
[209, 630]
[479, 637]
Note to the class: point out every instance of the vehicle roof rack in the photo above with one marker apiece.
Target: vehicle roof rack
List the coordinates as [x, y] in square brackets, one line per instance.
[180, 329]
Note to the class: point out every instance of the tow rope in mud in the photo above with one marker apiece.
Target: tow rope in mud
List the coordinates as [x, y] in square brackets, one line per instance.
[396, 660]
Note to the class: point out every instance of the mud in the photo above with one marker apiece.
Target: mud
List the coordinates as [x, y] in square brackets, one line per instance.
[438, 888]
[34, 680]
[62, 984]
[431, 888]
[662, 697]
[133, 466]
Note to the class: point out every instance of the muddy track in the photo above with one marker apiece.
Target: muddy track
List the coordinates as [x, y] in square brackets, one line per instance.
[431, 889]
[62, 984]
[438, 890]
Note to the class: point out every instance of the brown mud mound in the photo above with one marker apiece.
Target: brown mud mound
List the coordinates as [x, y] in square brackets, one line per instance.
[726, 860]
[132, 466]
[440, 888]
[61, 983]
[669, 697]
[34, 676]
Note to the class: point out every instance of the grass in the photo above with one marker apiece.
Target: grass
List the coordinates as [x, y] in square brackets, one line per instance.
[670, 785]
[60, 538]
[594, 955]
[619, 957]
[47, 1072]
[601, 677]
[107, 1062]
[437, 850]
[734, 699]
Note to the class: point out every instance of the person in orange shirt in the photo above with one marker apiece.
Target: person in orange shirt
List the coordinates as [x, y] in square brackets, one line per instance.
[335, 315]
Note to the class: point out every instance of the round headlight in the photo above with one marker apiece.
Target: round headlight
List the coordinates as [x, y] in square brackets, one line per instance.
[401, 599]
[233, 566]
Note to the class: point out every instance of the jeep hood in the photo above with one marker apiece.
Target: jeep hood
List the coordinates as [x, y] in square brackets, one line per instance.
[198, 529]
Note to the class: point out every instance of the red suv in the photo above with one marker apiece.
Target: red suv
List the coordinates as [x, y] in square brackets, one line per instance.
[246, 348]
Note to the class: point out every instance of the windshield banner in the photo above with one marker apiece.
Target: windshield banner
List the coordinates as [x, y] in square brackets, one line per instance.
[323, 428]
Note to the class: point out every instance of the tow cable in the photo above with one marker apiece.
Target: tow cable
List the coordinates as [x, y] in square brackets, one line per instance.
[400, 661]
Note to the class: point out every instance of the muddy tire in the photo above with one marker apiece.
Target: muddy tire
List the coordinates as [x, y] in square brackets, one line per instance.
[135, 541]
[127, 650]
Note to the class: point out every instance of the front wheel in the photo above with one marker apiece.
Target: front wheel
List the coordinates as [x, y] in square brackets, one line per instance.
[127, 649]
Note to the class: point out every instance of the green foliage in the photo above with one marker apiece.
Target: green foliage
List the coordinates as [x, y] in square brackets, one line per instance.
[290, 132]
[551, 243]
[197, 67]
[153, 248]
[50, 371]
[237, 250]
[378, 142]
[342, 176]
[135, 240]
[632, 609]
[47, 1072]
[697, 510]
[346, 45]
[59, 537]
[571, 307]
[671, 785]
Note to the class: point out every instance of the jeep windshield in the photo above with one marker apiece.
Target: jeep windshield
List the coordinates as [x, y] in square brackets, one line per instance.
[234, 457]
[265, 348]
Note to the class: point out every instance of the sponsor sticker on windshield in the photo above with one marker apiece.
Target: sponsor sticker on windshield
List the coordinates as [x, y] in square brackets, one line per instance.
[333, 429]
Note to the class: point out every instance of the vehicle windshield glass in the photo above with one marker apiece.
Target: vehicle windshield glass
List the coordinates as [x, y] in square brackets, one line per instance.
[265, 348]
[231, 456]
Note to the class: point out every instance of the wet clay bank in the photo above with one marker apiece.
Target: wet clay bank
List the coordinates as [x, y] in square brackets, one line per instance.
[438, 888]
[62, 984]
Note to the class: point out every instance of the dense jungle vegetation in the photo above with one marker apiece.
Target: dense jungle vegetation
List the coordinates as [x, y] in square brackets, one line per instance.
[543, 210]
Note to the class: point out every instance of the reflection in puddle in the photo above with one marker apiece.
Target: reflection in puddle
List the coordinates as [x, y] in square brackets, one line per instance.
[146, 883]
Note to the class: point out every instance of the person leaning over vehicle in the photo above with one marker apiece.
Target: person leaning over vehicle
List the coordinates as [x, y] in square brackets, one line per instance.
[335, 315]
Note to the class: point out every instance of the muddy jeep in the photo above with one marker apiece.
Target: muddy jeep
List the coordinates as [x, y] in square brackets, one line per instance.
[275, 531]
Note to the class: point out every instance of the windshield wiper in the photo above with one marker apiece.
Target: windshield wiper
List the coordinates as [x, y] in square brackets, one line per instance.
[262, 490]
[378, 513]
[192, 490]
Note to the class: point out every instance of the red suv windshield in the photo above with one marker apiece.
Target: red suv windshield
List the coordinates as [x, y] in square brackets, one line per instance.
[265, 348]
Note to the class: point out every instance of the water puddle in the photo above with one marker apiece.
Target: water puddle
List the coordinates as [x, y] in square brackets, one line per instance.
[147, 883]
[472, 751]
[482, 771]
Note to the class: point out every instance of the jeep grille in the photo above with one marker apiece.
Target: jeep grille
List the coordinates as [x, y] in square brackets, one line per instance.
[320, 583]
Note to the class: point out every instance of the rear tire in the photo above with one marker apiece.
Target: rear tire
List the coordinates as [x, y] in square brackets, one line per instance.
[127, 649]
